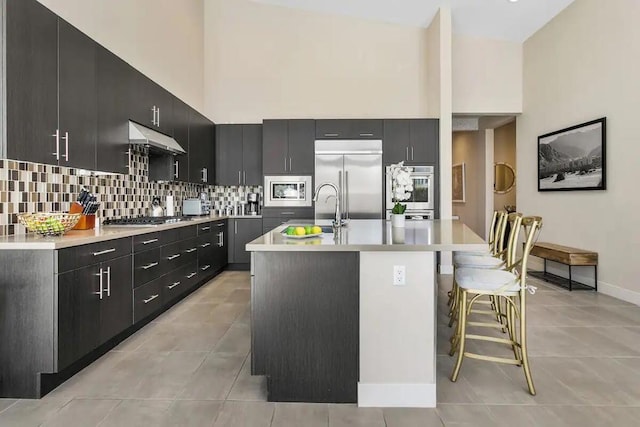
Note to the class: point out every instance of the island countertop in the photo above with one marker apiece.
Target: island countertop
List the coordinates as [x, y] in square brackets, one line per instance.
[378, 235]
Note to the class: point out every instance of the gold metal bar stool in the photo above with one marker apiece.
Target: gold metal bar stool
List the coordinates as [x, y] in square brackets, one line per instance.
[511, 286]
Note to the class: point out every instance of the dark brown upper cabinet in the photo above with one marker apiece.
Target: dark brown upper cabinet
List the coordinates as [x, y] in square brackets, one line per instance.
[239, 154]
[287, 147]
[349, 129]
[414, 141]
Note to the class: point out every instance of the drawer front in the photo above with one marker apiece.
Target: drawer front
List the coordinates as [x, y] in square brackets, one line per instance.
[191, 276]
[177, 283]
[184, 233]
[144, 242]
[190, 249]
[205, 228]
[147, 299]
[147, 266]
[206, 260]
[288, 213]
[81, 256]
[173, 256]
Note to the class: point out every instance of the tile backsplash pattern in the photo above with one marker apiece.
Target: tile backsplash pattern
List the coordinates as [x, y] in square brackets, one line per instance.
[30, 187]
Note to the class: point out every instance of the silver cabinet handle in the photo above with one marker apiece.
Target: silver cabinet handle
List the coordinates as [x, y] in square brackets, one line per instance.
[366, 134]
[158, 122]
[235, 226]
[151, 298]
[146, 242]
[148, 266]
[101, 284]
[106, 251]
[221, 239]
[406, 157]
[153, 120]
[206, 267]
[57, 137]
[239, 178]
[205, 228]
[204, 245]
[66, 146]
[191, 250]
[191, 275]
[290, 169]
[244, 175]
[346, 197]
[412, 152]
[221, 225]
[175, 174]
[287, 213]
[108, 281]
[285, 163]
[173, 257]
[173, 285]
[331, 134]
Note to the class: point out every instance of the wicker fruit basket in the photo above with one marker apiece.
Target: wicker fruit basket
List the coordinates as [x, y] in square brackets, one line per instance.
[49, 224]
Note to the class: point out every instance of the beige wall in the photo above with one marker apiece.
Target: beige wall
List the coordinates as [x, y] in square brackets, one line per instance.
[504, 150]
[161, 38]
[469, 148]
[487, 76]
[574, 73]
[264, 61]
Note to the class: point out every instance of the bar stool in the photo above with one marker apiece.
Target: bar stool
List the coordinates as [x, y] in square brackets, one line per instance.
[509, 285]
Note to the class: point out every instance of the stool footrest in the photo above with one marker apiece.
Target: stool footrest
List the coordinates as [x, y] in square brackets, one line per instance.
[493, 359]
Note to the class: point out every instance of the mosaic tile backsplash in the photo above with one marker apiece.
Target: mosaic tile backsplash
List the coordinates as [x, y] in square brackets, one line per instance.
[31, 187]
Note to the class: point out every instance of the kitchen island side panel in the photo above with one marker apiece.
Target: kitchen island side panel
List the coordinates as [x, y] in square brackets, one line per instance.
[27, 321]
[306, 324]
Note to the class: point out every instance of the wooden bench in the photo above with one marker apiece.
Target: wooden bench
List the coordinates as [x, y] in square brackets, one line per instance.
[568, 256]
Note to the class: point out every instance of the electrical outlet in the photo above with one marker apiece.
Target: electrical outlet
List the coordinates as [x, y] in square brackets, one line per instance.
[399, 275]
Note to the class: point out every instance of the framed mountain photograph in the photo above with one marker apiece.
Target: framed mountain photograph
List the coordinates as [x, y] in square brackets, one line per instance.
[573, 158]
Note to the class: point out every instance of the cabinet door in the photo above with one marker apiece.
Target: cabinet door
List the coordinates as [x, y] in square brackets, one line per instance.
[229, 155]
[349, 128]
[114, 83]
[424, 143]
[395, 142]
[275, 156]
[245, 231]
[116, 308]
[141, 103]
[77, 109]
[301, 146]
[78, 314]
[163, 100]
[201, 146]
[221, 254]
[181, 134]
[31, 81]
[252, 155]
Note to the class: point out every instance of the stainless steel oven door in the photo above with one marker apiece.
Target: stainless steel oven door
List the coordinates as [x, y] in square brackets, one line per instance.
[283, 191]
[423, 188]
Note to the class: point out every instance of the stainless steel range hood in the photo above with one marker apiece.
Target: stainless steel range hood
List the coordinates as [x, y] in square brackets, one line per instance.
[156, 141]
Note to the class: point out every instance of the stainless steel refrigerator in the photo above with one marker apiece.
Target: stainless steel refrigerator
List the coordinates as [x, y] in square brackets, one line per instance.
[354, 166]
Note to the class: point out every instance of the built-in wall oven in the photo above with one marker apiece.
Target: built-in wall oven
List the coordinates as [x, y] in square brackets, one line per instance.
[287, 190]
[421, 205]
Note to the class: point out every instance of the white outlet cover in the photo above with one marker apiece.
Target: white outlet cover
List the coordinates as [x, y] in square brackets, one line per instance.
[399, 275]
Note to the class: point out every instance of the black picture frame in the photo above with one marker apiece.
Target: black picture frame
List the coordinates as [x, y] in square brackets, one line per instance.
[574, 158]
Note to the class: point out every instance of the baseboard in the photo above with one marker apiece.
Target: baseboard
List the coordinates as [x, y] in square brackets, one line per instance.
[609, 289]
[445, 269]
[397, 395]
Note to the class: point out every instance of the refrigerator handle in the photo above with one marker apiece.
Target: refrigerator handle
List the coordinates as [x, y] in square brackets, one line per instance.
[341, 195]
[346, 189]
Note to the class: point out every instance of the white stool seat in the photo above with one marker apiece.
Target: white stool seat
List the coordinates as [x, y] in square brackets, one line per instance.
[473, 253]
[462, 261]
[487, 280]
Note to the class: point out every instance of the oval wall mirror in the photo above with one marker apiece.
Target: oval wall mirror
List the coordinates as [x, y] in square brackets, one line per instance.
[504, 178]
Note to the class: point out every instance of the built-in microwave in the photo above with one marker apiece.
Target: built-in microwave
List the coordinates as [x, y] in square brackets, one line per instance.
[287, 190]
[422, 196]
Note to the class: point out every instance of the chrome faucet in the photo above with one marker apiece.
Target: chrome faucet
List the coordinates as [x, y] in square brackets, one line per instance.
[337, 222]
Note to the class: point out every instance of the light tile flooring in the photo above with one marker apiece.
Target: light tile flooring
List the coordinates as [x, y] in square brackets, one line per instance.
[190, 367]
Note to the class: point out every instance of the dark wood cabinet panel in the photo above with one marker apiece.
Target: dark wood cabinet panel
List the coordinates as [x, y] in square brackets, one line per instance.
[201, 149]
[424, 141]
[147, 299]
[31, 81]
[275, 151]
[220, 257]
[396, 140]
[114, 87]
[147, 266]
[181, 117]
[79, 300]
[245, 230]
[229, 154]
[349, 129]
[78, 93]
[301, 138]
[116, 312]
[252, 154]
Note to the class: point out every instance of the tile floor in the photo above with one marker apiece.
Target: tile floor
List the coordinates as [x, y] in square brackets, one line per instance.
[190, 367]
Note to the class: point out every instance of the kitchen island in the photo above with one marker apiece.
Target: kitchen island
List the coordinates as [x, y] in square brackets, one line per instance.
[335, 318]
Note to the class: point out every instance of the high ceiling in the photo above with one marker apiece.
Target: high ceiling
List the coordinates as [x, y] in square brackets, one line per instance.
[497, 19]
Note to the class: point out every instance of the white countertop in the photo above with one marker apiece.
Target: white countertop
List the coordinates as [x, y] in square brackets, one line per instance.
[83, 237]
[378, 235]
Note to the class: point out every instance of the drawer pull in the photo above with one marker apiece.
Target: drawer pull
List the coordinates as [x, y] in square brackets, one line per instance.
[148, 266]
[205, 245]
[287, 213]
[191, 275]
[146, 242]
[221, 225]
[331, 134]
[205, 228]
[366, 134]
[151, 298]
[173, 257]
[206, 267]
[173, 285]
[191, 250]
[106, 251]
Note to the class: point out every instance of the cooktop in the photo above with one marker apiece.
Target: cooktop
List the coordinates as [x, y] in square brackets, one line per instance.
[145, 221]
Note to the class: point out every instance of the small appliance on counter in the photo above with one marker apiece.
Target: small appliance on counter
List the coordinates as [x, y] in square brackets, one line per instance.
[253, 202]
[196, 207]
